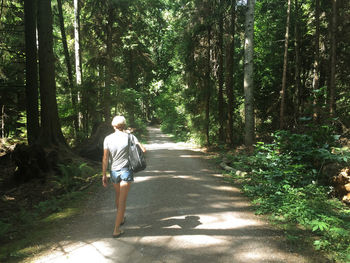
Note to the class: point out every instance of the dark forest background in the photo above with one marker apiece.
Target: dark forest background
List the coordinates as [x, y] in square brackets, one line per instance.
[266, 84]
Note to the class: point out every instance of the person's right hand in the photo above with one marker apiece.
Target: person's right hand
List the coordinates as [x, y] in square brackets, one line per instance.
[105, 181]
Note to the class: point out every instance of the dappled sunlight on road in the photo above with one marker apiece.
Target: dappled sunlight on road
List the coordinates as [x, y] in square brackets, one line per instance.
[179, 210]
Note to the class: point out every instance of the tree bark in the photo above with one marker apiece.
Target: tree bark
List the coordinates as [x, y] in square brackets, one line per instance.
[73, 94]
[297, 62]
[221, 103]
[50, 126]
[32, 96]
[332, 86]
[248, 75]
[229, 72]
[109, 67]
[285, 63]
[78, 69]
[315, 82]
[3, 121]
[207, 88]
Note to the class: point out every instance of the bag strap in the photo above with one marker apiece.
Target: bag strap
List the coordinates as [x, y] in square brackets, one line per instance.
[129, 141]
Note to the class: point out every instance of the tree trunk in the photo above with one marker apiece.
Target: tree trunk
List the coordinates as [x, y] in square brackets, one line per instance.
[315, 82]
[332, 105]
[207, 88]
[78, 69]
[50, 127]
[248, 75]
[32, 104]
[229, 72]
[132, 86]
[221, 103]
[1, 7]
[285, 63]
[3, 121]
[69, 67]
[297, 62]
[109, 65]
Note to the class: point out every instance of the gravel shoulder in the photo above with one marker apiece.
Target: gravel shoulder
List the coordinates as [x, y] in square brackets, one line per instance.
[180, 209]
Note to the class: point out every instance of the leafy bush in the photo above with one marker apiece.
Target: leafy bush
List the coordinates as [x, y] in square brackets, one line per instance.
[283, 182]
[72, 175]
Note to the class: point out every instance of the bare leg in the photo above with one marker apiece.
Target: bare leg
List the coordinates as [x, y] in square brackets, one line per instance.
[117, 194]
[123, 194]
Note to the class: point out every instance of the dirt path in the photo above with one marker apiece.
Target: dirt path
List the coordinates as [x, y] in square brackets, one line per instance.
[179, 210]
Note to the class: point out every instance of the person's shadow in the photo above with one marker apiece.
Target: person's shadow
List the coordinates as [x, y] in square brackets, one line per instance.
[187, 223]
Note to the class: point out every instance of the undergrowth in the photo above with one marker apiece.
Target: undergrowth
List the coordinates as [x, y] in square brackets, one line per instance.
[16, 228]
[285, 179]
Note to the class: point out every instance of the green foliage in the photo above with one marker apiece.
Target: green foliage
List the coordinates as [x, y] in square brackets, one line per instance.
[4, 228]
[72, 175]
[282, 181]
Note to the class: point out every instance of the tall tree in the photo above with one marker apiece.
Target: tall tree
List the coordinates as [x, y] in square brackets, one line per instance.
[297, 60]
[333, 59]
[316, 77]
[285, 63]
[229, 70]
[248, 75]
[50, 126]
[207, 84]
[32, 106]
[109, 63]
[73, 94]
[221, 72]
[78, 68]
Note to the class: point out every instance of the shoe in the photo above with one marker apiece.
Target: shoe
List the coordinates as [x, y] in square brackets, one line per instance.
[119, 234]
[122, 223]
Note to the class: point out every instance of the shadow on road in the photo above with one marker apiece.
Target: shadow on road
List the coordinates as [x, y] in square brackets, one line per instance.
[179, 210]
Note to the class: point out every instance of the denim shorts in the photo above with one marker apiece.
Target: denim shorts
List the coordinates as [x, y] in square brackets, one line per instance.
[124, 174]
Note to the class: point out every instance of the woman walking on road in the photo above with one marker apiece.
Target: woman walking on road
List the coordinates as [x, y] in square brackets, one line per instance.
[116, 150]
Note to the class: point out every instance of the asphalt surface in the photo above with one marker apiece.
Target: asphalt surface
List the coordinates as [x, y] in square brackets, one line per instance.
[180, 209]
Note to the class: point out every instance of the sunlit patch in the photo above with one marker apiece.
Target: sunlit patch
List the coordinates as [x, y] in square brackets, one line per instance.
[68, 212]
[257, 252]
[190, 156]
[160, 171]
[225, 221]
[80, 252]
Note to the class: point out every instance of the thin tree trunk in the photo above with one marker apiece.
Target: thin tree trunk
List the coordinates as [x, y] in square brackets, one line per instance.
[315, 82]
[248, 75]
[109, 65]
[73, 94]
[208, 93]
[78, 69]
[50, 127]
[285, 63]
[3, 121]
[297, 62]
[332, 105]
[229, 71]
[221, 103]
[32, 94]
[1, 7]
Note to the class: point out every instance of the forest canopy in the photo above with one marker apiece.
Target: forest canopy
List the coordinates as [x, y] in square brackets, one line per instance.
[68, 66]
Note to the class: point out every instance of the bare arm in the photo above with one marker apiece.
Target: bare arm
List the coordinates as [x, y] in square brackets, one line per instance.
[142, 147]
[104, 167]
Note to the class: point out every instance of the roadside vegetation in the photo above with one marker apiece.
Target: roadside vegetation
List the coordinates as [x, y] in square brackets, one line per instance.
[33, 211]
[288, 180]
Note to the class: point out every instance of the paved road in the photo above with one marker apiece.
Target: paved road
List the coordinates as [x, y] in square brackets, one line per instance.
[179, 210]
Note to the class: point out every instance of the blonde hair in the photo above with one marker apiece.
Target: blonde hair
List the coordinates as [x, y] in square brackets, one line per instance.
[119, 122]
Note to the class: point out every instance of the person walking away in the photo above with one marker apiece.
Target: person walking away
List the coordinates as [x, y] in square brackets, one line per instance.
[116, 151]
